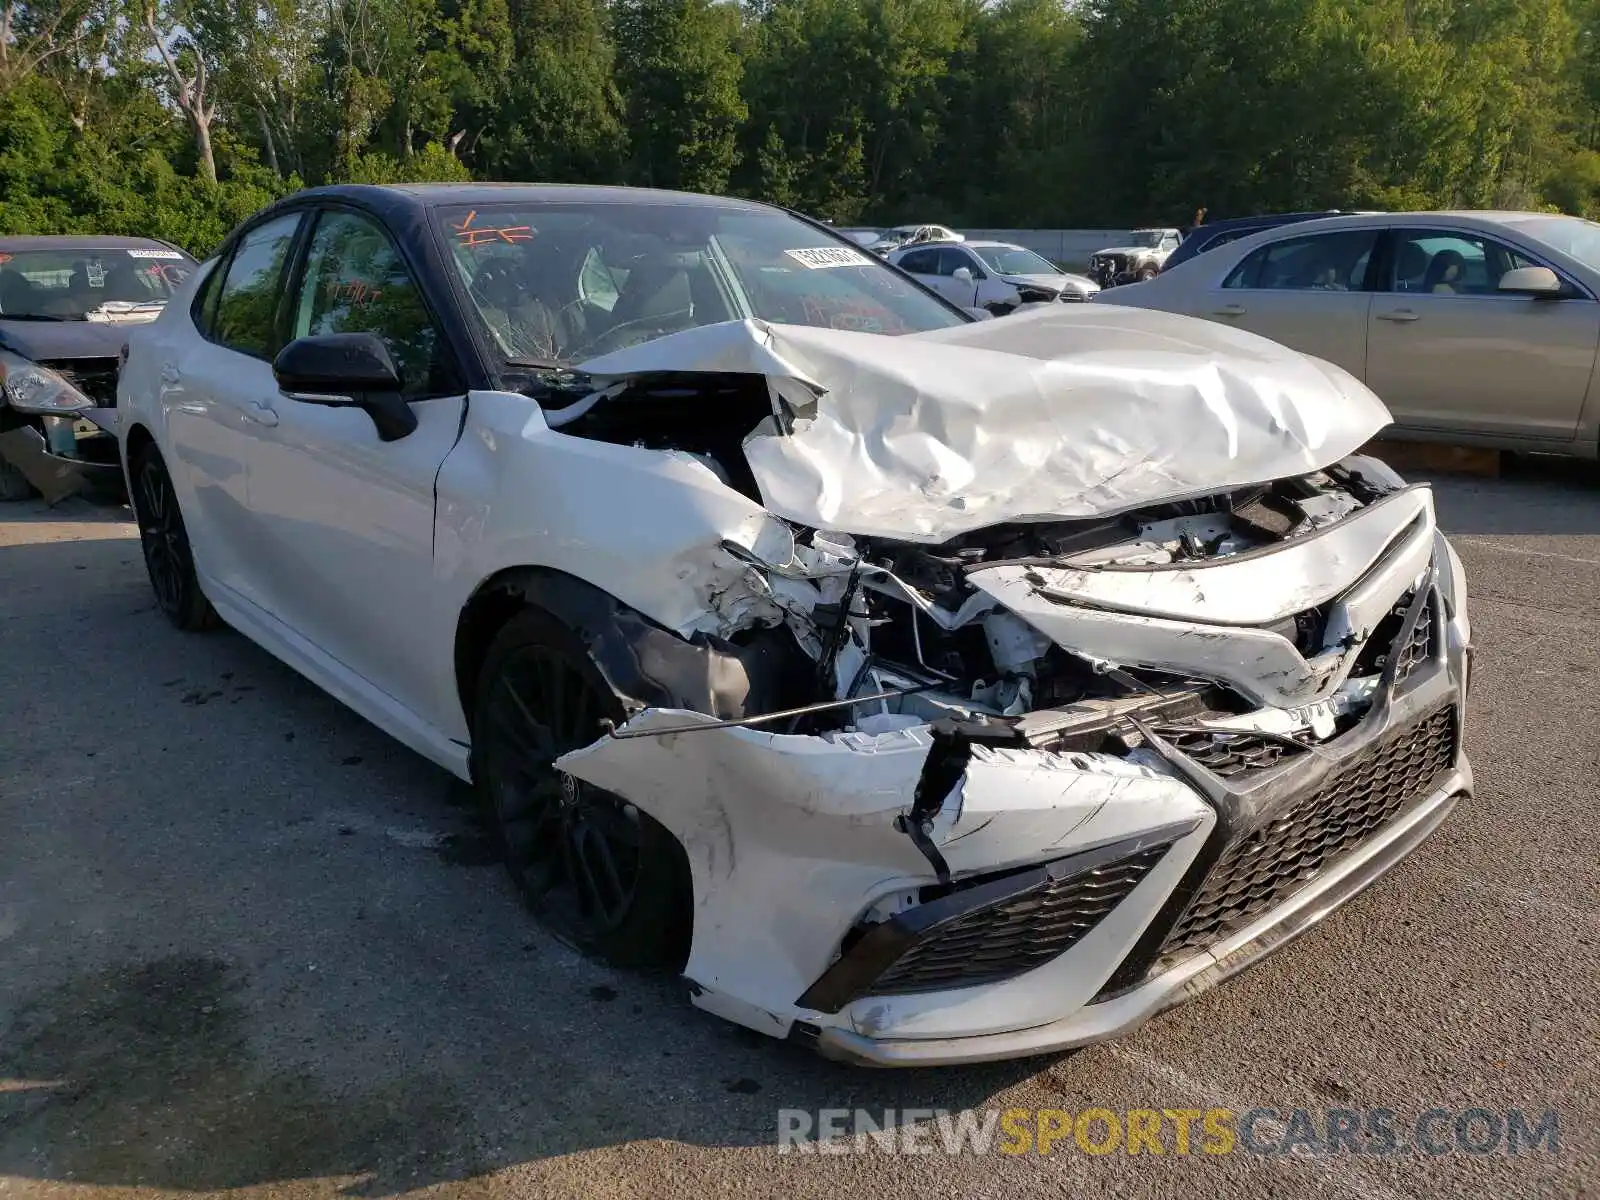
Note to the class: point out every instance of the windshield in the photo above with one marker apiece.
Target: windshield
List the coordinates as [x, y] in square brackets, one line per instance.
[561, 283]
[1573, 236]
[1014, 260]
[89, 284]
[1146, 237]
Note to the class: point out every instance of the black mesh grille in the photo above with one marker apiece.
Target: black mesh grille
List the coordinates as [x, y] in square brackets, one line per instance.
[1419, 648]
[1265, 866]
[1229, 754]
[1017, 934]
[1385, 645]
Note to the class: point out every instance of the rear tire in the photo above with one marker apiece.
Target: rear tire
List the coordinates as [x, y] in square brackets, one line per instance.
[168, 557]
[597, 871]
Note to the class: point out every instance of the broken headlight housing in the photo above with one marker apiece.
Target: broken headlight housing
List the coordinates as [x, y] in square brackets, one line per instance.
[30, 388]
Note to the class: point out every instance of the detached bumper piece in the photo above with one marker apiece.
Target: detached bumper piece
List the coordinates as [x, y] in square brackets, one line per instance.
[992, 930]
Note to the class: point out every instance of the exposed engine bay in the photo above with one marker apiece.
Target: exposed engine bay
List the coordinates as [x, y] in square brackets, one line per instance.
[903, 621]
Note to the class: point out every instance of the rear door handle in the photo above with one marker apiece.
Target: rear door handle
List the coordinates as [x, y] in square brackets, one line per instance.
[1228, 310]
[261, 414]
[1399, 314]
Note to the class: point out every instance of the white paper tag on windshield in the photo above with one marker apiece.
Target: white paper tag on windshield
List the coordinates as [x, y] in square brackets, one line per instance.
[827, 256]
[172, 254]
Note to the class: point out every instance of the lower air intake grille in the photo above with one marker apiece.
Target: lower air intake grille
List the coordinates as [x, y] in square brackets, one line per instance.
[988, 929]
[1229, 754]
[1015, 935]
[1420, 647]
[1266, 866]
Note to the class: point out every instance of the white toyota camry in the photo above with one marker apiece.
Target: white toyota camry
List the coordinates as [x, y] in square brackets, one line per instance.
[925, 689]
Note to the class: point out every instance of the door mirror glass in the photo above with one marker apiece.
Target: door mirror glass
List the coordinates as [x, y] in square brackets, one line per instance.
[347, 370]
[1531, 281]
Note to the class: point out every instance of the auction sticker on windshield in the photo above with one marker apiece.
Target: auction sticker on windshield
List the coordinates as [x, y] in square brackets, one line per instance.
[154, 254]
[827, 256]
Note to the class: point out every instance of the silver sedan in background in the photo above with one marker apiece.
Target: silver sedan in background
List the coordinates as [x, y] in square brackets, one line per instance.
[1473, 327]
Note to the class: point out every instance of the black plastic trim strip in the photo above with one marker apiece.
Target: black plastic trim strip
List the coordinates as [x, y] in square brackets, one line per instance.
[854, 973]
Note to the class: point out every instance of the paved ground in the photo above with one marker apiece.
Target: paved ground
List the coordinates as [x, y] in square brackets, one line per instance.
[246, 942]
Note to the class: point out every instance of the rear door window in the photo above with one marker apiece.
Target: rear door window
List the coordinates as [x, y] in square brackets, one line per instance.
[1328, 262]
[247, 307]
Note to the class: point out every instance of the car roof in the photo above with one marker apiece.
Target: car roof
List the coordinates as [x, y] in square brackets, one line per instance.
[79, 241]
[413, 198]
[1467, 216]
[1270, 218]
[993, 245]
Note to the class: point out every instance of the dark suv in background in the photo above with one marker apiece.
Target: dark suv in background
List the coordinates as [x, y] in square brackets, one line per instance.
[1219, 233]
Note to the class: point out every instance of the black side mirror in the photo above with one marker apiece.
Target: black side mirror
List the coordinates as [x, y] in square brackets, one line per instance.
[347, 370]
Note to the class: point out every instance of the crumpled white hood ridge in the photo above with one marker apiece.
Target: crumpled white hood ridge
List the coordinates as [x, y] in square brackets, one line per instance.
[1059, 413]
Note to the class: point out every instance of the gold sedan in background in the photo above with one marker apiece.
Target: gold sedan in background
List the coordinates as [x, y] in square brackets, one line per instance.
[1473, 327]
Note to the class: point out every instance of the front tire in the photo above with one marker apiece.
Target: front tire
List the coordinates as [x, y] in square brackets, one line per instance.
[597, 871]
[168, 557]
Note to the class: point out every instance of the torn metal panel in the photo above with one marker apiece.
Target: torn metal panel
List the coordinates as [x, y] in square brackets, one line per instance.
[1249, 589]
[928, 436]
[653, 529]
[792, 838]
[54, 478]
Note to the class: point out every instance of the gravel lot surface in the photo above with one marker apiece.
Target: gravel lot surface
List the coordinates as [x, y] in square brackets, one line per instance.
[248, 942]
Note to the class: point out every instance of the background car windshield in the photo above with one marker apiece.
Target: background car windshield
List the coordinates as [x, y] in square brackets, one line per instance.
[562, 283]
[1145, 237]
[86, 284]
[1573, 236]
[1014, 260]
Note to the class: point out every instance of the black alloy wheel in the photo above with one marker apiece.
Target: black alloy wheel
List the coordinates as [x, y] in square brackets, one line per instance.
[596, 870]
[168, 556]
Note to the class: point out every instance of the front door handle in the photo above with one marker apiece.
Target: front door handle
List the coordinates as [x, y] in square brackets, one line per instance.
[1399, 314]
[1228, 310]
[261, 414]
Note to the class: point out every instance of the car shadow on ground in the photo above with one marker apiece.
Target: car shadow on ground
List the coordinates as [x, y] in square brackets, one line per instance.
[183, 1044]
[1535, 495]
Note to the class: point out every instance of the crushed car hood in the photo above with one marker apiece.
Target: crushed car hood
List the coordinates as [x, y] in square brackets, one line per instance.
[45, 340]
[1058, 413]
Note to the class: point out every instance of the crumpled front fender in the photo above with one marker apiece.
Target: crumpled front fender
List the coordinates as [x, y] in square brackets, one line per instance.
[791, 839]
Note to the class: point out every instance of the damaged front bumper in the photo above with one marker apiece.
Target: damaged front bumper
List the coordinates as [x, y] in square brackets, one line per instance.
[62, 456]
[1072, 895]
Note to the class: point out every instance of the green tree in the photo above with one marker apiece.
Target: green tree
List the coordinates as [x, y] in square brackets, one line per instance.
[680, 75]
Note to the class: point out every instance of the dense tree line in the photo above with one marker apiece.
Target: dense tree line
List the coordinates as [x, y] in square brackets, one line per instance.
[178, 117]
